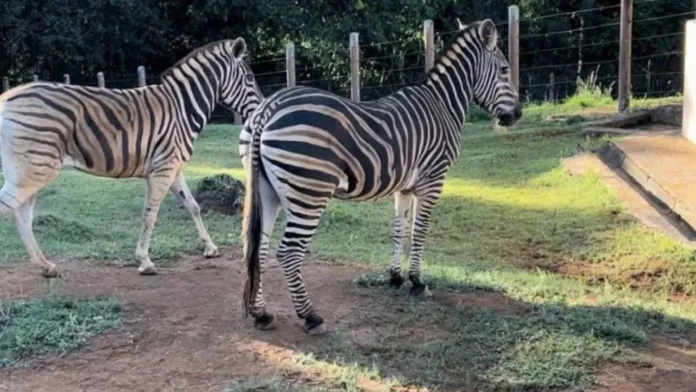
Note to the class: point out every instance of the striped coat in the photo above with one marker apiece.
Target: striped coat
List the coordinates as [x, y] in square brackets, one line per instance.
[308, 146]
[145, 132]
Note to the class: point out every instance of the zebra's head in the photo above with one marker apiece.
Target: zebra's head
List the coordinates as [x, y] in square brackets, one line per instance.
[493, 90]
[238, 88]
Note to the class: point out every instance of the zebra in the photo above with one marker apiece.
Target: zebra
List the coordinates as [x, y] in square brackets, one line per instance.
[145, 132]
[308, 146]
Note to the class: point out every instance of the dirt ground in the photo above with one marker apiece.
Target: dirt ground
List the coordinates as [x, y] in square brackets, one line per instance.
[184, 330]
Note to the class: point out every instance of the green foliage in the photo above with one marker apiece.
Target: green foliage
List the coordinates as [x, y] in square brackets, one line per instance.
[55, 324]
[52, 37]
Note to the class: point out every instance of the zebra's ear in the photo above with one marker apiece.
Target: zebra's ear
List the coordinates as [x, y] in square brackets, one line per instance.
[462, 26]
[489, 34]
[239, 48]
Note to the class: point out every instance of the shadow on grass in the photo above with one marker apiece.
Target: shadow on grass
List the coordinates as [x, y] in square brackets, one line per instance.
[478, 340]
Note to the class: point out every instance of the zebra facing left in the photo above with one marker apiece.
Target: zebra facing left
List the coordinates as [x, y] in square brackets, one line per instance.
[145, 132]
[308, 146]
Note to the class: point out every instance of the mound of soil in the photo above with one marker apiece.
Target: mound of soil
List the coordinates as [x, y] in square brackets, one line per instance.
[220, 193]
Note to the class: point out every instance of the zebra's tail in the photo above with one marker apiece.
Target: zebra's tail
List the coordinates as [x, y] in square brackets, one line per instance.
[251, 227]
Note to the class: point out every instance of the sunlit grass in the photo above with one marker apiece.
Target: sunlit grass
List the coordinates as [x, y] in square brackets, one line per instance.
[510, 221]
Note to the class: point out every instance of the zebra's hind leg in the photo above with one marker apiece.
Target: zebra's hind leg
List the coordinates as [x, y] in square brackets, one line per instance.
[299, 229]
[26, 173]
[158, 184]
[24, 219]
[403, 202]
[182, 192]
[264, 320]
[426, 201]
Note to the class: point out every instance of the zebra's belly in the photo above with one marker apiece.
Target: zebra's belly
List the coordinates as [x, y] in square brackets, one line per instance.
[77, 164]
[398, 181]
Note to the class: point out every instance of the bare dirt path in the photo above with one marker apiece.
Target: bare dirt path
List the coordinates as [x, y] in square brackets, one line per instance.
[184, 331]
[183, 328]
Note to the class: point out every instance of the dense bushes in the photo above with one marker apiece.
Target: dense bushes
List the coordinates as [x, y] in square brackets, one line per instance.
[53, 37]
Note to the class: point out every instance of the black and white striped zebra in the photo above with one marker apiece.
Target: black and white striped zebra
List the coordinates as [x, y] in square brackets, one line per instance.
[145, 132]
[308, 146]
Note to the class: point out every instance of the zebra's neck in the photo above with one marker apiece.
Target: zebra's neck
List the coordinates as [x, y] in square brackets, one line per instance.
[451, 78]
[195, 91]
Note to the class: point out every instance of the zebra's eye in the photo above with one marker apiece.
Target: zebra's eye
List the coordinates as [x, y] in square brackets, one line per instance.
[249, 77]
[504, 69]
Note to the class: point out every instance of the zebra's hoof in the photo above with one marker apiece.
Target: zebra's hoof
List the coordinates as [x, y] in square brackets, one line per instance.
[211, 253]
[49, 272]
[396, 280]
[420, 290]
[314, 325]
[265, 322]
[149, 270]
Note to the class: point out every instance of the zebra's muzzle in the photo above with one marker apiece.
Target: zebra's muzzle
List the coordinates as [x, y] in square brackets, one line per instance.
[510, 118]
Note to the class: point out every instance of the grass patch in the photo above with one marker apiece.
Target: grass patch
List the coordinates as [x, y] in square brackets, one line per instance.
[593, 282]
[56, 228]
[590, 94]
[273, 385]
[528, 347]
[40, 326]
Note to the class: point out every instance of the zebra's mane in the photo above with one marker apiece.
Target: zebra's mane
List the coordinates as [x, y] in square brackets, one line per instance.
[473, 26]
[193, 53]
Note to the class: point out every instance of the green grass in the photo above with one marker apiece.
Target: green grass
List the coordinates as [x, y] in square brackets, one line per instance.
[40, 326]
[595, 285]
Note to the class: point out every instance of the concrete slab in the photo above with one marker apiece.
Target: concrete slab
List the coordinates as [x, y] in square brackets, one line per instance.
[664, 165]
[635, 202]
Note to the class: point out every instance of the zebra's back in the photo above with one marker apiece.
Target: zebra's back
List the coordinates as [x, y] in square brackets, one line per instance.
[104, 132]
[366, 150]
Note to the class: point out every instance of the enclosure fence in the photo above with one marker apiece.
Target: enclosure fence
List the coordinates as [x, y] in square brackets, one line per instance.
[370, 70]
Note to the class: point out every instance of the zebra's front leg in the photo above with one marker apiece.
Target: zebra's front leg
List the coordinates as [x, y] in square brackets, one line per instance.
[426, 201]
[158, 184]
[403, 202]
[182, 192]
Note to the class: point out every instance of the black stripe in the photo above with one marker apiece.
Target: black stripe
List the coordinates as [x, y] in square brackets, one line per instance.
[55, 131]
[89, 162]
[98, 134]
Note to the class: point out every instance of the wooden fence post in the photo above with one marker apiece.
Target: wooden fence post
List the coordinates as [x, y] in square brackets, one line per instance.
[625, 55]
[66, 79]
[35, 78]
[689, 102]
[429, 44]
[5, 84]
[290, 63]
[355, 67]
[141, 76]
[100, 80]
[552, 87]
[514, 45]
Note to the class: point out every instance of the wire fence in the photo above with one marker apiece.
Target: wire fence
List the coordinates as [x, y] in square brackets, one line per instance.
[554, 58]
[592, 52]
